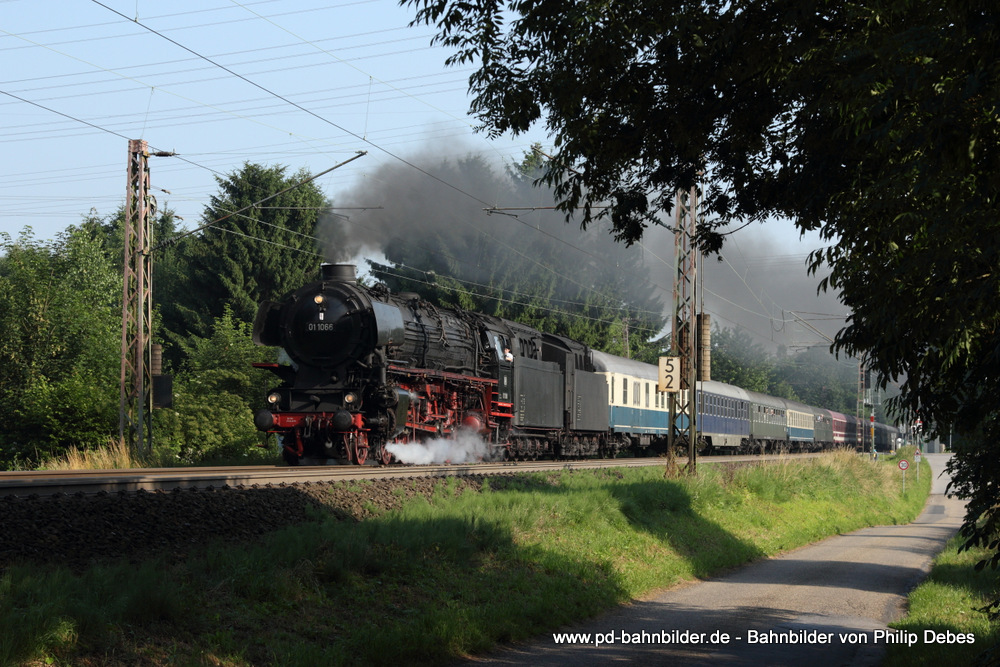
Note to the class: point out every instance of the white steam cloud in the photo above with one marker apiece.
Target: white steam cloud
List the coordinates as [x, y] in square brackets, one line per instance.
[465, 447]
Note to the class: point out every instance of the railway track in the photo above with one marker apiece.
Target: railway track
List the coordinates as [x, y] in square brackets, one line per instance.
[75, 519]
[44, 483]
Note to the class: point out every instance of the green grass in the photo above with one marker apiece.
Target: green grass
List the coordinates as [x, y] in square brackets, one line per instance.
[116, 455]
[950, 600]
[423, 584]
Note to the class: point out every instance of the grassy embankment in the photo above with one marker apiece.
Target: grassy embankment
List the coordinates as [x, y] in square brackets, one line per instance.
[118, 456]
[445, 577]
[950, 601]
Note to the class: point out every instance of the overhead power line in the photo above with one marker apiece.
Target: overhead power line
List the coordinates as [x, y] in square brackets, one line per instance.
[294, 104]
[299, 184]
[288, 101]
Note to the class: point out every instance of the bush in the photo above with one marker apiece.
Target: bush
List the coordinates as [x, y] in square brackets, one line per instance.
[201, 427]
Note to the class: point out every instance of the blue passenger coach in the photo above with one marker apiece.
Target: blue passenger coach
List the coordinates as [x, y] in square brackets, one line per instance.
[637, 409]
[801, 425]
[730, 419]
[640, 412]
[724, 416]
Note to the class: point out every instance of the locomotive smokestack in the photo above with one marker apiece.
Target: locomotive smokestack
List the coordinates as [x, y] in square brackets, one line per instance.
[341, 273]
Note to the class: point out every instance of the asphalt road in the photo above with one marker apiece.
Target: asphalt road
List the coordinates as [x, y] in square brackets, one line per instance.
[825, 604]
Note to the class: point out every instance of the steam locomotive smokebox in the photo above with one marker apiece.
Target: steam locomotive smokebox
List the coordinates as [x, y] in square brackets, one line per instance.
[341, 273]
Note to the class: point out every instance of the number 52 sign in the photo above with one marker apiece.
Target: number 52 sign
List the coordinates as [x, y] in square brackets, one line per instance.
[669, 379]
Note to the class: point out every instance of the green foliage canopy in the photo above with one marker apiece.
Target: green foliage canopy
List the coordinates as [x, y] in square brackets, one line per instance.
[215, 393]
[60, 344]
[255, 255]
[738, 360]
[875, 123]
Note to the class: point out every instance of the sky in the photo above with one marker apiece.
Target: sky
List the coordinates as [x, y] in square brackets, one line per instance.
[303, 84]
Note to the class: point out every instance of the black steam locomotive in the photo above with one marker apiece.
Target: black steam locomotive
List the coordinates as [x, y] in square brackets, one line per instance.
[369, 376]
[367, 368]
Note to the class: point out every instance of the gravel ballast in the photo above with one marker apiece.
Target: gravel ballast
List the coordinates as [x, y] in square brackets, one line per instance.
[78, 530]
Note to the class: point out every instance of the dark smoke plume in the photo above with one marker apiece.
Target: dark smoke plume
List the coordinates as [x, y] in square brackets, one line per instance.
[461, 199]
[761, 283]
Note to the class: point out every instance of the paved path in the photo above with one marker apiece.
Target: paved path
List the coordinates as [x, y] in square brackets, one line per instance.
[824, 604]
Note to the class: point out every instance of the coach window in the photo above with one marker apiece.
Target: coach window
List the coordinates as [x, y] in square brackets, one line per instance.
[647, 394]
[612, 383]
[624, 391]
[635, 393]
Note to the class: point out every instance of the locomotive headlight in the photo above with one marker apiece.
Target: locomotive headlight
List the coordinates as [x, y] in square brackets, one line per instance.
[273, 398]
[350, 398]
[318, 299]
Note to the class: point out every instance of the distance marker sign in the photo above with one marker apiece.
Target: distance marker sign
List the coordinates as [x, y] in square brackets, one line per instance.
[669, 376]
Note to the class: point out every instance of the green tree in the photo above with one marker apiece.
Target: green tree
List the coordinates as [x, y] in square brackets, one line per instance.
[216, 391]
[60, 329]
[874, 122]
[821, 379]
[248, 257]
[738, 360]
[169, 267]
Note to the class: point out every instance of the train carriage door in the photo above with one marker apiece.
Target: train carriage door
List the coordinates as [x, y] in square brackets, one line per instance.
[505, 363]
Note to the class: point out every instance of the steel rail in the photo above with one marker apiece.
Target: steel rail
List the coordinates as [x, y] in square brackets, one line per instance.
[43, 483]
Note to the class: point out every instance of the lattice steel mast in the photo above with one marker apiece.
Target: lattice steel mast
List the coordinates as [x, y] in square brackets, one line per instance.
[134, 423]
[683, 337]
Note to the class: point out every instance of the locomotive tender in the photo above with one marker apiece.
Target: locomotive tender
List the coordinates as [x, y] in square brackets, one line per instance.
[367, 369]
